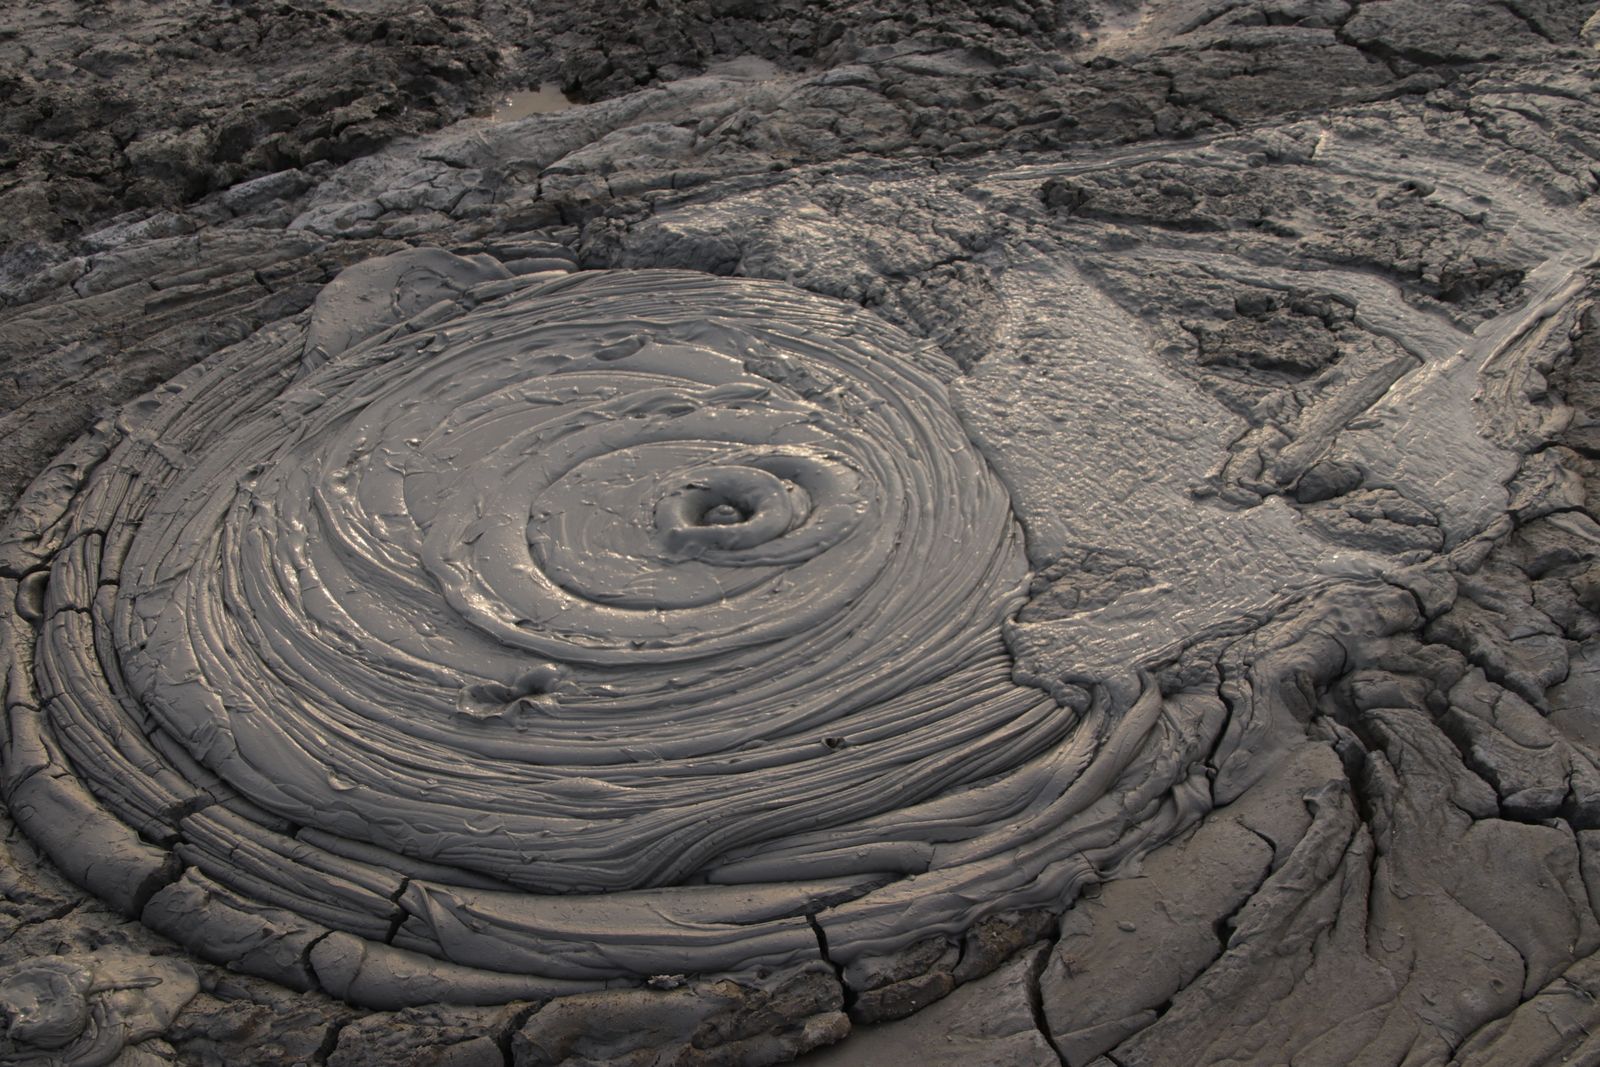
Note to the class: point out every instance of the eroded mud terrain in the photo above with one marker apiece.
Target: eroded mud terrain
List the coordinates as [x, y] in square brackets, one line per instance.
[886, 534]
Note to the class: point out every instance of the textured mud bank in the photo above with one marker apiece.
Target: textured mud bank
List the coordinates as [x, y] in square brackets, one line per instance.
[1069, 530]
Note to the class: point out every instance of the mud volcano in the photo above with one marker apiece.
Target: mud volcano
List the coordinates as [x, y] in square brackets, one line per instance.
[627, 623]
[974, 534]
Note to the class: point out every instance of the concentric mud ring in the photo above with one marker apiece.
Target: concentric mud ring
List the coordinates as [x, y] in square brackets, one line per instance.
[622, 624]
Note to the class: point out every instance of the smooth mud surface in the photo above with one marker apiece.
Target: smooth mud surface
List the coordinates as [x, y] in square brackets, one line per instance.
[524, 102]
[971, 536]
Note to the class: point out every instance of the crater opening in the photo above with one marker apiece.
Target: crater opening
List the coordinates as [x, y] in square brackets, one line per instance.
[724, 514]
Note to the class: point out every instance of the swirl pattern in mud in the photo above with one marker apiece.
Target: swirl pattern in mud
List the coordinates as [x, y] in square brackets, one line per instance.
[582, 592]
[623, 624]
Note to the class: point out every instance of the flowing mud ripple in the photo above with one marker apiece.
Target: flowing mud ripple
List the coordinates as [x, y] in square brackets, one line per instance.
[624, 624]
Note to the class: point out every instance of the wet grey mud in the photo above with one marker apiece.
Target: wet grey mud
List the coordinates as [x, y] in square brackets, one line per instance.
[449, 604]
[524, 102]
[977, 535]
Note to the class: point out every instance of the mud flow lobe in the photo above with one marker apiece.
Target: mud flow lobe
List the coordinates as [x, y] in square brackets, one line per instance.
[616, 624]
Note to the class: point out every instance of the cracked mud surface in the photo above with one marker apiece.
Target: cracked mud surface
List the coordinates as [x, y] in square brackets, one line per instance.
[1171, 426]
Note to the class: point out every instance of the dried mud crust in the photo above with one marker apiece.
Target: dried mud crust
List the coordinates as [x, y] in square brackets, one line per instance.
[114, 106]
[118, 105]
[1295, 420]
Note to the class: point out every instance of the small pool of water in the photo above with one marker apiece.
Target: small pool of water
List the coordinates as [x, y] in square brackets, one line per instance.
[524, 102]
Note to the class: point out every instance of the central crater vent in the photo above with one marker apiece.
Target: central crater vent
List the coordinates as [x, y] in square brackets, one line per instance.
[612, 626]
